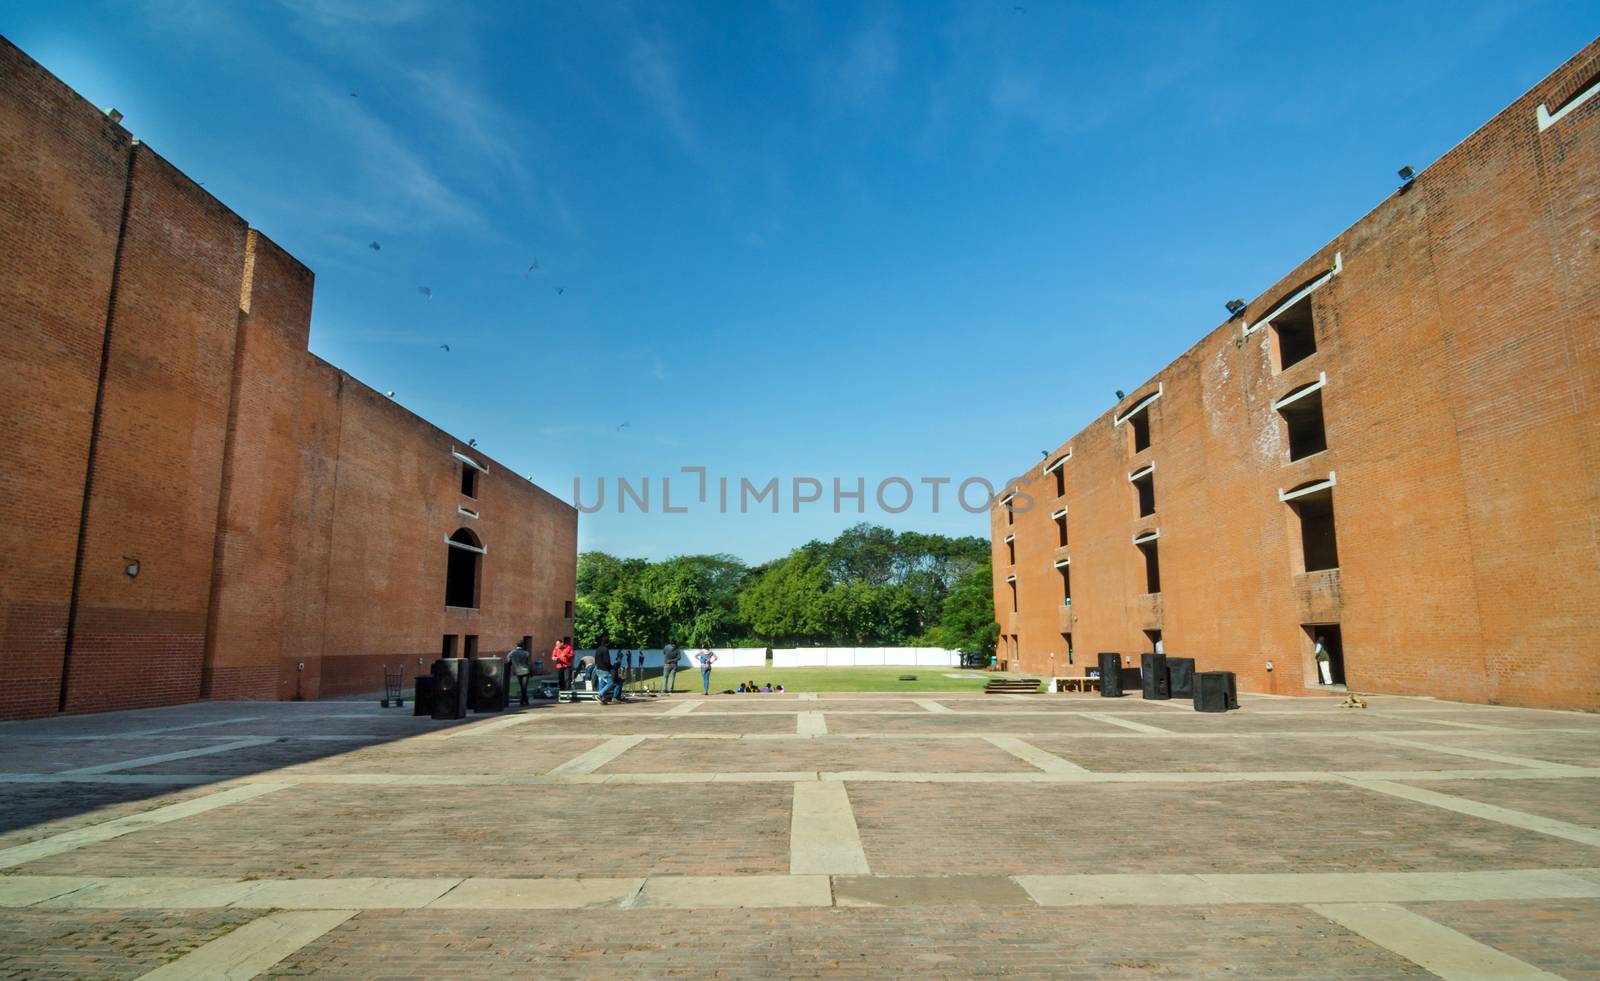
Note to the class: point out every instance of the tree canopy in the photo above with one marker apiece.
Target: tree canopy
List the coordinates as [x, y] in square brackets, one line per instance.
[870, 586]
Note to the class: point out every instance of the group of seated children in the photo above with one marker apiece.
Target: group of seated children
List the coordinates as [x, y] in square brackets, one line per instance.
[750, 686]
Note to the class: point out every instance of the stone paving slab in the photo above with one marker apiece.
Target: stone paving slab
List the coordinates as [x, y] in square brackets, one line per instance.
[1558, 936]
[708, 756]
[105, 943]
[1027, 944]
[1287, 752]
[342, 831]
[1577, 801]
[1239, 827]
[931, 723]
[622, 721]
[521, 757]
[1350, 720]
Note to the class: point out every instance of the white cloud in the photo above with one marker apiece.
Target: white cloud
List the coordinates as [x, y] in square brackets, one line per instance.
[652, 66]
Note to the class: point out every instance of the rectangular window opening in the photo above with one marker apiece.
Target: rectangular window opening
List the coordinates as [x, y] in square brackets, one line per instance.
[1153, 637]
[526, 643]
[471, 649]
[1013, 584]
[1011, 551]
[1294, 335]
[566, 610]
[1152, 566]
[1139, 430]
[1303, 424]
[1066, 584]
[1061, 481]
[1066, 642]
[1319, 547]
[1144, 487]
[449, 647]
[469, 481]
[1061, 530]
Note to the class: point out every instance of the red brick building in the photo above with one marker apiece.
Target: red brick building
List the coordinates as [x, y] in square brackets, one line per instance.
[194, 506]
[1396, 447]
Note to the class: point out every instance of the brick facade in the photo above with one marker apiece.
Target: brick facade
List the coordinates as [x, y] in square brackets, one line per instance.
[162, 409]
[1457, 350]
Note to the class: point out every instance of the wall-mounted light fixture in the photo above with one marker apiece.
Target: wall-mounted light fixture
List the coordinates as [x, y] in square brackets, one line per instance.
[132, 568]
[1269, 665]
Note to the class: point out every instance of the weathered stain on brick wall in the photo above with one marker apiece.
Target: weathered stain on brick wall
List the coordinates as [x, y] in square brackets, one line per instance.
[1460, 344]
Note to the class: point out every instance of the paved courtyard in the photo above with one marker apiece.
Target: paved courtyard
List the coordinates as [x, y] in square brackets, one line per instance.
[753, 836]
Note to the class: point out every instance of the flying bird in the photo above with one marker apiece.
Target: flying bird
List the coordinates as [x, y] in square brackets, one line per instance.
[445, 348]
[622, 427]
[426, 291]
[531, 267]
[354, 96]
[560, 290]
[374, 246]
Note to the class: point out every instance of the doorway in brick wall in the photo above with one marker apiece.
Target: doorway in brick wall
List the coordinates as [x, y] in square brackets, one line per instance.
[1325, 646]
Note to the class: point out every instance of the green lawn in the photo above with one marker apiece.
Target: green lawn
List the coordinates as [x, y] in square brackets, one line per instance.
[833, 679]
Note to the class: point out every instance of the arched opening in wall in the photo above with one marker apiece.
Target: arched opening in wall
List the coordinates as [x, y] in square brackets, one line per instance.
[463, 569]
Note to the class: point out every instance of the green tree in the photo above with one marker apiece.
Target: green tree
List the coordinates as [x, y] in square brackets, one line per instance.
[966, 622]
[781, 602]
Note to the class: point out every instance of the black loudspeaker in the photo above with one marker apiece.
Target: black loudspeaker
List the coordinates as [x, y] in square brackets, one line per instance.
[422, 701]
[1212, 691]
[1153, 676]
[1110, 675]
[450, 687]
[1180, 677]
[488, 684]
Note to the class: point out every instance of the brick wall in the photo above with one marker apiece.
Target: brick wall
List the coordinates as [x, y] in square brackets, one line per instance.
[280, 512]
[1461, 350]
[62, 173]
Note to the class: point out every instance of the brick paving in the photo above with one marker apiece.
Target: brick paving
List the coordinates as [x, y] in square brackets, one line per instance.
[1577, 801]
[1557, 936]
[1283, 753]
[105, 943]
[899, 755]
[906, 829]
[636, 828]
[1016, 943]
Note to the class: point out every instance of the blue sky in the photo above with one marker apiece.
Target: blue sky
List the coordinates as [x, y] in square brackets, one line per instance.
[830, 240]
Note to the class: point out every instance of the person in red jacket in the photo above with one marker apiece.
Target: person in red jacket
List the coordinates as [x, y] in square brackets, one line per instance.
[561, 657]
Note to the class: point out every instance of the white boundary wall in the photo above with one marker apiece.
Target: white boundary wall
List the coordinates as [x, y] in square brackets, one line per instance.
[852, 657]
[727, 657]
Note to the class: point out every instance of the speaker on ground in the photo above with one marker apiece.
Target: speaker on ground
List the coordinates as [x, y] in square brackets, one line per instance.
[1211, 691]
[1110, 675]
[488, 684]
[1180, 676]
[422, 701]
[450, 687]
[1153, 676]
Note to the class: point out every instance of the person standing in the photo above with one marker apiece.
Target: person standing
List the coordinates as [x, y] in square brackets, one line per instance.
[561, 657]
[1323, 667]
[705, 659]
[605, 672]
[669, 668]
[518, 662]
